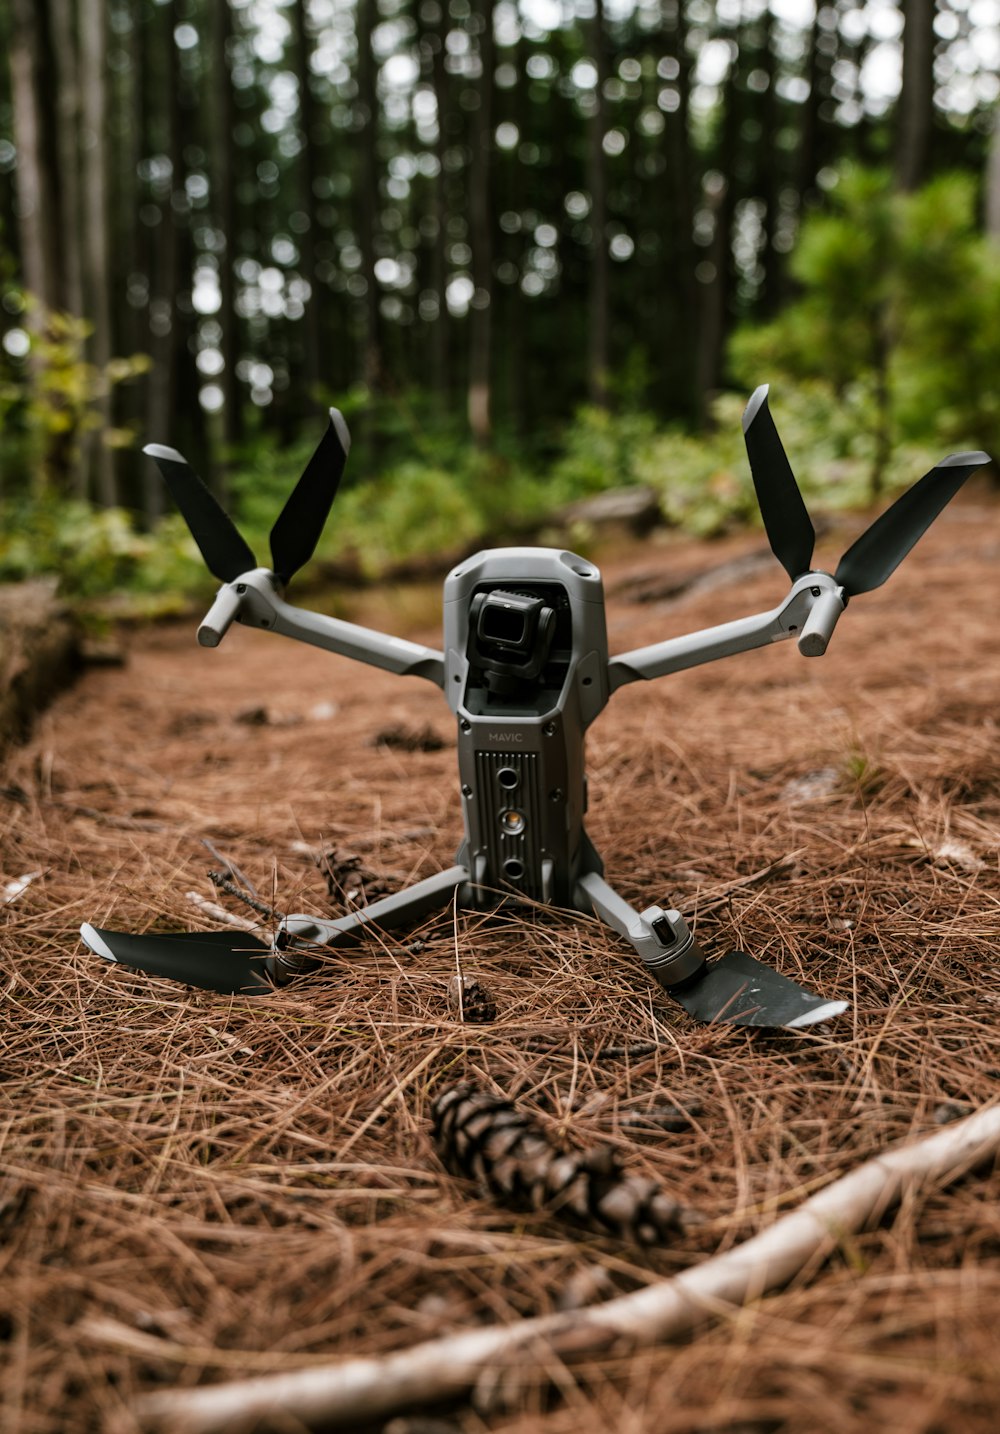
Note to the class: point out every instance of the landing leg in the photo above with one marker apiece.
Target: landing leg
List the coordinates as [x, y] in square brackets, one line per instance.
[298, 933]
[737, 990]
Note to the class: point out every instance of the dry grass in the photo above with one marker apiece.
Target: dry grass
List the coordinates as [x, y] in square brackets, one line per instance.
[194, 1187]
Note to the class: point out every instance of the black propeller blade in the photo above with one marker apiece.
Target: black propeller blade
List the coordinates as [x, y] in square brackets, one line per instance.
[789, 529]
[881, 548]
[739, 990]
[226, 553]
[231, 962]
[300, 522]
[878, 552]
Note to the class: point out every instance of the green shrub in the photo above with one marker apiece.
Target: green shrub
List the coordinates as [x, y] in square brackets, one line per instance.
[95, 552]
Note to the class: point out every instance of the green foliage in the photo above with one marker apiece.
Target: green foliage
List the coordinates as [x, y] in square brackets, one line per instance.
[95, 552]
[412, 510]
[428, 492]
[600, 451]
[417, 507]
[897, 315]
[49, 396]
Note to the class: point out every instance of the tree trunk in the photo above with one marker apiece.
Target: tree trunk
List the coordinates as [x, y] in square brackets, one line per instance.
[164, 271]
[37, 209]
[308, 125]
[678, 336]
[222, 110]
[598, 351]
[440, 332]
[67, 103]
[371, 353]
[35, 182]
[714, 307]
[481, 234]
[96, 245]
[769, 180]
[916, 101]
[517, 317]
[992, 180]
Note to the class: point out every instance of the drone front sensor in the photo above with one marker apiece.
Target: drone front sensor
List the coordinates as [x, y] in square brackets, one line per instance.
[525, 669]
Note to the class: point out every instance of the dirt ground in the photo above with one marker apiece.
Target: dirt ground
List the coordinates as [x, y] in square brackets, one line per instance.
[195, 1187]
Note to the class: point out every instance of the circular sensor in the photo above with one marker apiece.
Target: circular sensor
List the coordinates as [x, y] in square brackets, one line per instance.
[508, 778]
[513, 868]
[512, 822]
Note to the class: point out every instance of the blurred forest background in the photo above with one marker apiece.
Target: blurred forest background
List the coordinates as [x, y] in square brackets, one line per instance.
[533, 248]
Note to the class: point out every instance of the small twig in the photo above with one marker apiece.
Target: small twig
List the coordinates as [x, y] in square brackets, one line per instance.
[219, 913]
[229, 865]
[220, 880]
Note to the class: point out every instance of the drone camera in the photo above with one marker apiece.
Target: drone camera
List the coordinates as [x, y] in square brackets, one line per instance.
[509, 621]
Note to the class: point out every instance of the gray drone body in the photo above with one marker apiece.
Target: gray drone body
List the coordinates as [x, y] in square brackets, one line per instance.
[525, 669]
[526, 662]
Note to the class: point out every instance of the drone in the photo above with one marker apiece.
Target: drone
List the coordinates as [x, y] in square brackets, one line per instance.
[525, 669]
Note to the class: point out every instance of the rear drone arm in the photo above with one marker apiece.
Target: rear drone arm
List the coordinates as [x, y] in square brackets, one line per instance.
[254, 599]
[810, 611]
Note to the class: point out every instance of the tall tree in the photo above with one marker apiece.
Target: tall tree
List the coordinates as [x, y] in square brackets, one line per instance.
[309, 127]
[992, 180]
[164, 142]
[916, 101]
[432, 17]
[96, 245]
[372, 358]
[67, 106]
[481, 234]
[36, 182]
[769, 174]
[598, 350]
[222, 112]
[678, 310]
[720, 203]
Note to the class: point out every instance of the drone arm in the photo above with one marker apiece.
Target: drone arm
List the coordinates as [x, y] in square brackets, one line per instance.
[220, 616]
[254, 601]
[363, 644]
[810, 610]
[823, 618]
[299, 933]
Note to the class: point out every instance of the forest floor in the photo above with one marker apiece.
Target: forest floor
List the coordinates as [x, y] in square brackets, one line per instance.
[195, 1188]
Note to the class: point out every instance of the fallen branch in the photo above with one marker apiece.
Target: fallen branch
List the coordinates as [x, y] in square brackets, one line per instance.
[346, 1394]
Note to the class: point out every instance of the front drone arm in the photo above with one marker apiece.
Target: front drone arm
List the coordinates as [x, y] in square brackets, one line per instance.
[254, 599]
[810, 612]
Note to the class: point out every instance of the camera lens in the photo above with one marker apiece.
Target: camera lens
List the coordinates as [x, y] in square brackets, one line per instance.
[508, 778]
[503, 623]
[513, 868]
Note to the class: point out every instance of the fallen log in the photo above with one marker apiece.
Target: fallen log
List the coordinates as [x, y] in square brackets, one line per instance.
[340, 1396]
[39, 654]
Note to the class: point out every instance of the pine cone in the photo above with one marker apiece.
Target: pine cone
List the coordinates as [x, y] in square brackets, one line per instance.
[508, 1154]
[351, 883]
[471, 1000]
